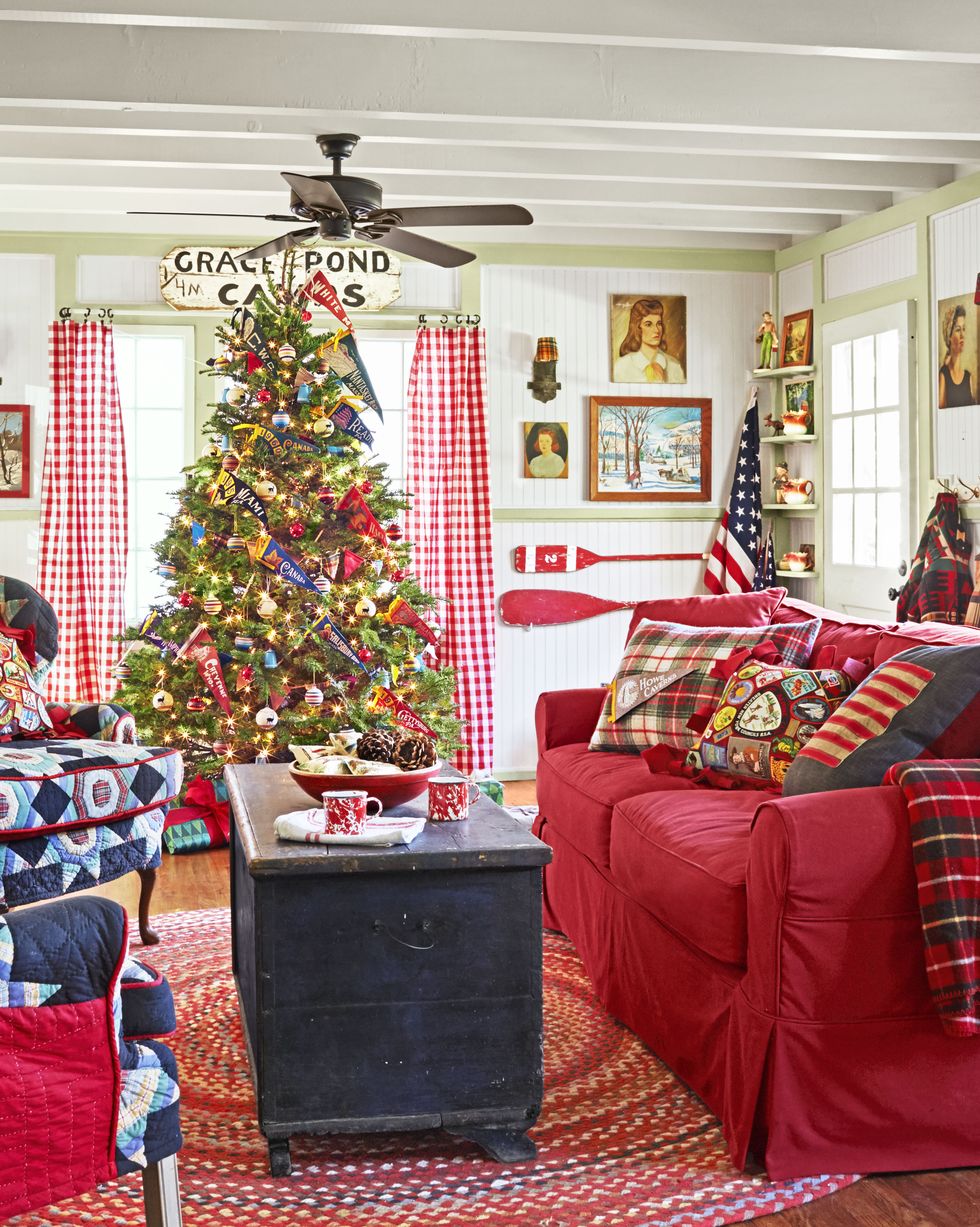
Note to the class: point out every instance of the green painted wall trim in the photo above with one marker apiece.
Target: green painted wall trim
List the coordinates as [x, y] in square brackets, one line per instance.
[557, 514]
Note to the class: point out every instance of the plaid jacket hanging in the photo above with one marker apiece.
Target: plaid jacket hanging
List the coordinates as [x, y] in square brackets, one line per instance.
[938, 587]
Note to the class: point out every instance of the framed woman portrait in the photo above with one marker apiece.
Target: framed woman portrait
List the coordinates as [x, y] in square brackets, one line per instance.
[958, 380]
[649, 451]
[648, 337]
[796, 346]
[15, 451]
[545, 449]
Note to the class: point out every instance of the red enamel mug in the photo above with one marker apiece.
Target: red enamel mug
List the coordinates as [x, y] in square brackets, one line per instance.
[345, 812]
[450, 798]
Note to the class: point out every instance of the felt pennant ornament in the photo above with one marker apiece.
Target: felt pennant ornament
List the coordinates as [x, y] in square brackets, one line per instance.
[252, 364]
[401, 712]
[345, 361]
[302, 378]
[247, 326]
[347, 564]
[197, 532]
[319, 290]
[325, 627]
[271, 554]
[200, 649]
[278, 442]
[146, 632]
[349, 420]
[244, 675]
[230, 491]
[360, 517]
[400, 613]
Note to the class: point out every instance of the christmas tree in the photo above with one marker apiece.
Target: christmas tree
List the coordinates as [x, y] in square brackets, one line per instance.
[293, 612]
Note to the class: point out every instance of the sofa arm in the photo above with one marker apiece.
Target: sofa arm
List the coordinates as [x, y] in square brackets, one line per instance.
[834, 932]
[102, 722]
[562, 717]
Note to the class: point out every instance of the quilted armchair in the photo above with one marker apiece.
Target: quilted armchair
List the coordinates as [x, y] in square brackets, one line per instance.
[83, 804]
[80, 1102]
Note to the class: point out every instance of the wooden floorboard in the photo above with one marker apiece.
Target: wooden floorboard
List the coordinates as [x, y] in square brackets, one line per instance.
[922, 1199]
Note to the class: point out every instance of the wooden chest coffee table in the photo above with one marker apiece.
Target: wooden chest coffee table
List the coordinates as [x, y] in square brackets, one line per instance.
[388, 988]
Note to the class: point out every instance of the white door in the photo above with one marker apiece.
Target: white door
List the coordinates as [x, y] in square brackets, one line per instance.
[869, 459]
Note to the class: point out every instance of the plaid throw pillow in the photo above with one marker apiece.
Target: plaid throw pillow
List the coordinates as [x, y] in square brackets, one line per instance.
[765, 717]
[664, 678]
[896, 714]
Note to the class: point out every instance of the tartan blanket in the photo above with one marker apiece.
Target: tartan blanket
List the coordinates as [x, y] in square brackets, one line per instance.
[943, 802]
[938, 587]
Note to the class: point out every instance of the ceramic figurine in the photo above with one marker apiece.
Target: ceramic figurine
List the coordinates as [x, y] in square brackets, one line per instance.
[766, 340]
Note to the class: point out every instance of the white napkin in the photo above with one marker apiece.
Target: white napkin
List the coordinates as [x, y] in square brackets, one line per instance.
[306, 825]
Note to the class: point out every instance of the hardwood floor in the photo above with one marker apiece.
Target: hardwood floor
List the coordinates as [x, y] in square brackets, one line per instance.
[923, 1199]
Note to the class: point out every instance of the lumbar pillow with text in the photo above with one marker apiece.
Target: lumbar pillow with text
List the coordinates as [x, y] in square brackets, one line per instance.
[666, 676]
[897, 713]
[766, 716]
[22, 710]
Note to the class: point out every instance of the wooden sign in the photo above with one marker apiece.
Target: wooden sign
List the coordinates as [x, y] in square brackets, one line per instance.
[220, 278]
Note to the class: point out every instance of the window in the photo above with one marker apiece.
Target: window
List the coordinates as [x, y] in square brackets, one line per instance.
[155, 368]
[388, 358]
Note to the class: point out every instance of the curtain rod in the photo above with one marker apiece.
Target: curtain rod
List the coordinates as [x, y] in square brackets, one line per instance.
[445, 319]
[103, 313]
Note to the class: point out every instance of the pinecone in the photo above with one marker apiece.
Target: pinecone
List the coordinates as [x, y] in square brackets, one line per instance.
[376, 745]
[413, 751]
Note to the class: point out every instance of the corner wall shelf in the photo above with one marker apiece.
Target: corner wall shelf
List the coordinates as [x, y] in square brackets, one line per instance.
[792, 508]
[798, 574]
[787, 440]
[783, 372]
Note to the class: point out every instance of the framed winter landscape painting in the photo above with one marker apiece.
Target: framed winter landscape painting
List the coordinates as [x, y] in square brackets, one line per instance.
[15, 451]
[649, 451]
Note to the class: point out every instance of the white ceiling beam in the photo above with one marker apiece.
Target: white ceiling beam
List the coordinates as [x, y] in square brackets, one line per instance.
[874, 29]
[534, 84]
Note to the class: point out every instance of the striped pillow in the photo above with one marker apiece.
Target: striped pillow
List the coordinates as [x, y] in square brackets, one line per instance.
[896, 714]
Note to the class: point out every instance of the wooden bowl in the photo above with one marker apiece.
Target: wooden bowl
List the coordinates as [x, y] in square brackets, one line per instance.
[391, 790]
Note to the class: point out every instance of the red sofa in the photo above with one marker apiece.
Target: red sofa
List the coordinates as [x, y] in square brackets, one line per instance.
[769, 949]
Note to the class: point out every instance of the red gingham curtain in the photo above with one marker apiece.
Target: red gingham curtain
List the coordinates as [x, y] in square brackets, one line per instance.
[449, 521]
[84, 514]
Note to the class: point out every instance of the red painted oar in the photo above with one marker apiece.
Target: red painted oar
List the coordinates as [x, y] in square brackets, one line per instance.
[550, 558]
[543, 607]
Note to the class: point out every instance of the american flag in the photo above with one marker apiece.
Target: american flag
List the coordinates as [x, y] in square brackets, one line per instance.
[765, 572]
[735, 554]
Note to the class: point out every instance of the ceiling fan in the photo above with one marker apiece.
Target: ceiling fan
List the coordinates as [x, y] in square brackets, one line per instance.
[343, 206]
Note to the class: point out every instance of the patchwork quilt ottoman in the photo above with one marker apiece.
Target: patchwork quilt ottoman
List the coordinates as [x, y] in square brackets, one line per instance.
[74, 813]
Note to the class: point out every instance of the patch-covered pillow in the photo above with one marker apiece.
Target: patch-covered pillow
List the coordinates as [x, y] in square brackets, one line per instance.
[665, 677]
[767, 714]
[22, 709]
[897, 713]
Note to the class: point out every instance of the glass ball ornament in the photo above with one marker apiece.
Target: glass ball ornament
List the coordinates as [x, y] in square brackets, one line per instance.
[163, 700]
[365, 656]
[236, 544]
[212, 605]
[306, 316]
[323, 427]
[185, 600]
[211, 451]
[366, 487]
[167, 569]
[322, 584]
[287, 353]
[235, 396]
[222, 363]
[220, 747]
[313, 696]
[412, 663]
[263, 396]
[244, 643]
[280, 419]
[122, 671]
[365, 608]
[326, 495]
[266, 490]
[266, 718]
[195, 703]
[296, 530]
[394, 532]
[230, 461]
[267, 608]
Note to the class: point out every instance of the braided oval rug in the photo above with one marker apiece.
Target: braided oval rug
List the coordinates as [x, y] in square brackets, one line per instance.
[620, 1139]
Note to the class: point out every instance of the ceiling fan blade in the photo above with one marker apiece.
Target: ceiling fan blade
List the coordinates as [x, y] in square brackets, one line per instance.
[460, 215]
[315, 193]
[417, 245]
[282, 243]
[269, 217]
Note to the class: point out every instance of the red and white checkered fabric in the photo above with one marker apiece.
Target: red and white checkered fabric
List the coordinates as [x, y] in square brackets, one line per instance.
[449, 521]
[84, 520]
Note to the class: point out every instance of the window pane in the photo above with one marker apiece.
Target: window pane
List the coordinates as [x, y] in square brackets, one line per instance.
[864, 450]
[160, 442]
[886, 367]
[889, 530]
[148, 583]
[384, 361]
[843, 517]
[865, 530]
[160, 375]
[125, 367]
[840, 366]
[389, 446]
[889, 449]
[863, 351]
[154, 504]
[841, 453]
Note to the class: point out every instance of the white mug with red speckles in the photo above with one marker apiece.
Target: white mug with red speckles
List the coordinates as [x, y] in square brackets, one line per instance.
[345, 812]
[450, 798]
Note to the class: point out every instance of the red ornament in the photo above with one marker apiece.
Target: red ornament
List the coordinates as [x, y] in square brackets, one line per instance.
[245, 674]
[296, 529]
[365, 487]
[399, 575]
[326, 495]
[365, 655]
[263, 396]
[306, 316]
[394, 532]
[185, 600]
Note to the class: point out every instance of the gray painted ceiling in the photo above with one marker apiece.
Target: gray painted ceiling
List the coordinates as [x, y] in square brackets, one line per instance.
[708, 124]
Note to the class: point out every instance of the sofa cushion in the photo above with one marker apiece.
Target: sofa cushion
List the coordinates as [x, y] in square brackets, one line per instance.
[727, 609]
[897, 713]
[683, 857]
[848, 637]
[46, 784]
[577, 791]
[682, 658]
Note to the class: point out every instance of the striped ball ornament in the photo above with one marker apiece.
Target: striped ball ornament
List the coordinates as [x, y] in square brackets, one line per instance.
[322, 584]
[195, 703]
[220, 747]
[244, 643]
[122, 671]
[280, 419]
[287, 353]
[167, 569]
[212, 605]
[313, 696]
[236, 544]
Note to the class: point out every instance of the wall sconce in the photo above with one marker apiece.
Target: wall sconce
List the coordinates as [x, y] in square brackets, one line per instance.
[544, 385]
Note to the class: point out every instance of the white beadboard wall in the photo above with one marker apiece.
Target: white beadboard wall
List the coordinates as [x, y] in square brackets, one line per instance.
[795, 288]
[519, 304]
[877, 261]
[26, 308]
[955, 244]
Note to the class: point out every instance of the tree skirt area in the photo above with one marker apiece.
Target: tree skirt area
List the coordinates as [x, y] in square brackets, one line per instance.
[620, 1139]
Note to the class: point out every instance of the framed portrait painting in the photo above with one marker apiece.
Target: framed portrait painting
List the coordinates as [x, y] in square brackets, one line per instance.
[15, 451]
[545, 449]
[648, 336]
[796, 344]
[649, 450]
[958, 381]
